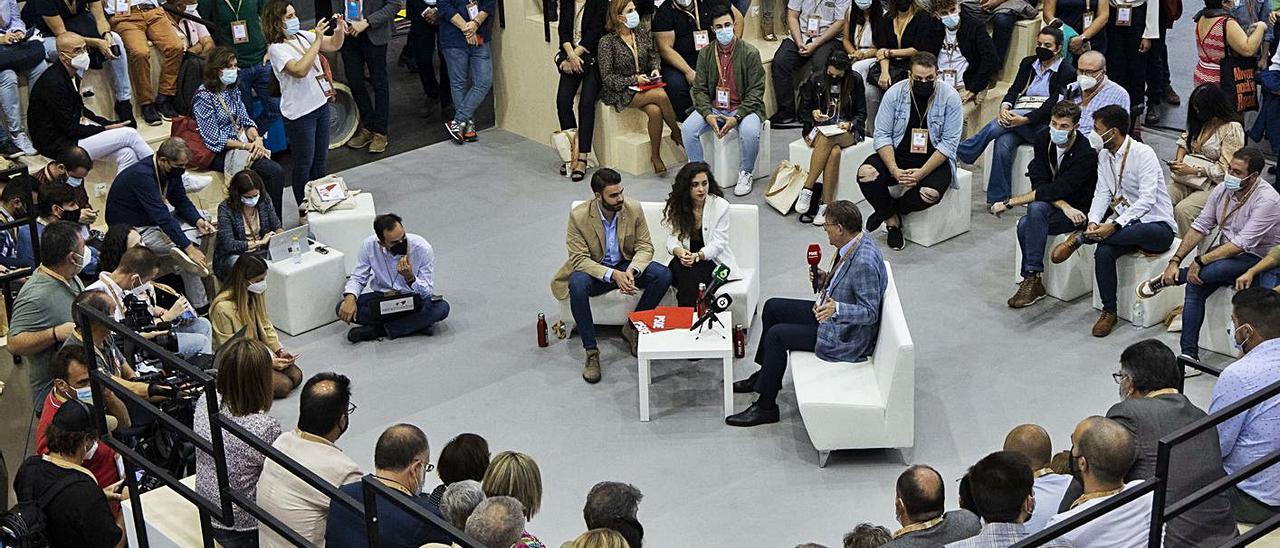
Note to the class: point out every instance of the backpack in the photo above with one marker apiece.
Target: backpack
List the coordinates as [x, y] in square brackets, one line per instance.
[24, 525]
[189, 78]
[185, 127]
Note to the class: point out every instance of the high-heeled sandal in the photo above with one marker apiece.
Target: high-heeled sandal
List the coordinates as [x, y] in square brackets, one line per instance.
[564, 169]
[579, 173]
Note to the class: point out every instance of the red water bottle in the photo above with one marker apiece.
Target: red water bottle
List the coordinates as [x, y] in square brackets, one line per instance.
[739, 341]
[700, 307]
[542, 331]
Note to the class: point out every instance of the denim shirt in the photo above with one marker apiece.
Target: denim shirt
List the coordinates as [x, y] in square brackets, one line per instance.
[612, 253]
[946, 120]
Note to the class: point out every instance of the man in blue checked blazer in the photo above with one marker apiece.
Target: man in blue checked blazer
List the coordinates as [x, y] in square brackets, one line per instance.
[840, 326]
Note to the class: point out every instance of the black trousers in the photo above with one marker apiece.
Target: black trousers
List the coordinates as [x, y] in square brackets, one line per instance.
[1122, 53]
[1158, 68]
[877, 191]
[687, 278]
[589, 83]
[789, 324]
[423, 43]
[785, 64]
[359, 53]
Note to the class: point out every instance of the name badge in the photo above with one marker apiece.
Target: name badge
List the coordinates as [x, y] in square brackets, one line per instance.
[812, 25]
[121, 6]
[1124, 16]
[325, 85]
[949, 77]
[239, 32]
[722, 97]
[1088, 19]
[919, 140]
[473, 11]
[700, 39]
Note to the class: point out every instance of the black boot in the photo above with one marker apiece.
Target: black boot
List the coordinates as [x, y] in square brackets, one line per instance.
[124, 113]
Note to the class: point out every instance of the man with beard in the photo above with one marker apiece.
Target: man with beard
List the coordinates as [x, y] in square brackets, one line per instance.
[390, 265]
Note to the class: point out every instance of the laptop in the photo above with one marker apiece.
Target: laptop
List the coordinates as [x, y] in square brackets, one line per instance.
[281, 245]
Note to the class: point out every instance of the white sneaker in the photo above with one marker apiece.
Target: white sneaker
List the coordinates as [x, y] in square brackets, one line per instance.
[24, 143]
[194, 183]
[743, 187]
[821, 218]
[802, 203]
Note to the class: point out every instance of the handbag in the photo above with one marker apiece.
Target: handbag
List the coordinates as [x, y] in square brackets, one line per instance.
[1194, 181]
[785, 184]
[329, 193]
[1236, 76]
[563, 141]
[185, 127]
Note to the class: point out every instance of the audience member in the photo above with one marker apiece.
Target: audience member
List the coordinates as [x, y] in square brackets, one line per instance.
[366, 52]
[464, 41]
[497, 522]
[1086, 19]
[401, 460]
[53, 204]
[1002, 488]
[55, 108]
[867, 535]
[71, 383]
[1130, 210]
[697, 217]
[324, 414]
[306, 88]
[239, 26]
[516, 475]
[906, 29]
[423, 46]
[460, 500]
[109, 358]
[841, 326]
[630, 76]
[611, 500]
[244, 388]
[246, 222]
[1240, 217]
[142, 25]
[1063, 174]
[1250, 436]
[814, 30]
[681, 31]
[920, 506]
[860, 25]
[119, 238]
[135, 276]
[17, 55]
[87, 24]
[196, 39]
[833, 112]
[1214, 134]
[70, 169]
[1130, 33]
[967, 60]
[1040, 77]
[599, 538]
[582, 24]
[617, 256]
[226, 128]
[142, 196]
[15, 202]
[1092, 90]
[732, 99]
[40, 319]
[242, 304]
[465, 457]
[1219, 34]
[1049, 489]
[917, 130]
[1102, 453]
[629, 528]
[76, 511]
[392, 263]
[1002, 17]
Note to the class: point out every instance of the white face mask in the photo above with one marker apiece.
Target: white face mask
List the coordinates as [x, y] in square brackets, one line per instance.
[192, 9]
[1095, 141]
[80, 63]
[82, 261]
[257, 287]
[1231, 334]
[1086, 82]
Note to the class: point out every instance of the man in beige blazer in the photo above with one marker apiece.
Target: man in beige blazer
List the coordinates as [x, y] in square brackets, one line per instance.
[609, 248]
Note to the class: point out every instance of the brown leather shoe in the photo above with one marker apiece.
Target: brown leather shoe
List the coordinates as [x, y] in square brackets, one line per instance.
[1106, 322]
[1171, 96]
[591, 371]
[1063, 251]
[632, 337]
[360, 139]
[1029, 291]
[378, 143]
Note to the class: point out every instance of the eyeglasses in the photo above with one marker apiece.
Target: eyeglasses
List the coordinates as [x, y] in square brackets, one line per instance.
[351, 408]
[1118, 377]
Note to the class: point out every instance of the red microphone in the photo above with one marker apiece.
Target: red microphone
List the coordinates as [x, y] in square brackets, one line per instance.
[814, 256]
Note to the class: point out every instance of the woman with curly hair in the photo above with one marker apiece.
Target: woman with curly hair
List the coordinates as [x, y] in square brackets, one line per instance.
[697, 216]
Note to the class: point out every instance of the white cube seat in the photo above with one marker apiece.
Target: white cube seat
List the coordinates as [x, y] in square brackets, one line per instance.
[345, 229]
[1019, 181]
[946, 219]
[851, 159]
[863, 405]
[1065, 282]
[303, 296]
[1133, 269]
[725, 155]
[1217, 318]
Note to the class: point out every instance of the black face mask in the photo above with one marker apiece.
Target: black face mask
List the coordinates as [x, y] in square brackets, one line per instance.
[72, 215]
[1074, 469]
[400, 248]
[1043, 53]
[903, 5]
[921, 89]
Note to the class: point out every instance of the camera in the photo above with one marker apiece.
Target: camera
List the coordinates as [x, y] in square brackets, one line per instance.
[138, 317]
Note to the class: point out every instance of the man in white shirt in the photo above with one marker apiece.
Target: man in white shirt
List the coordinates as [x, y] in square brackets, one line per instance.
[324, 414]
[1033, 442]
[1102, 452]
[1131, 210]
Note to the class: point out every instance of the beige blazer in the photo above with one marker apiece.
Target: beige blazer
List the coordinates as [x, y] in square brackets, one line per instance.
[584, 238]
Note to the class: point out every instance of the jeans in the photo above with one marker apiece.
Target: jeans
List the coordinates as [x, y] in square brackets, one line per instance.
[1220, 273]
[655, 280]
[123, 142]
[254, 82]
[1002, 33]
[472, 62]
[158, 242]
[678, 89]
[194, 338]
[1155, 237]
[787, 324]
[1007, 141]
[119, 67]
[359, 53]
[9, 102]
[589, 82]
[422, 318]
[309, 144]
[786, 62]
[748, 136]
[1042, 220]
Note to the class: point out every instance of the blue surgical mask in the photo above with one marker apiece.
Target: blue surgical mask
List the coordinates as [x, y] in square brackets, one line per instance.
[85, 395]
[633, 20]
[1059, 136]
[249, 201]
[724, 35]
[862, 4]
[1231, 182]
[291, 26]
[951, 21]
[229, 76]
[75, 182]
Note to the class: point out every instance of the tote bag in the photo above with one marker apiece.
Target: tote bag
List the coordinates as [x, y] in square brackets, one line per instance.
[1237, 80]
[785, 184]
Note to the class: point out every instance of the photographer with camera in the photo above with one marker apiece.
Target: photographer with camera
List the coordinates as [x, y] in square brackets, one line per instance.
[131, 289]
[110, 358]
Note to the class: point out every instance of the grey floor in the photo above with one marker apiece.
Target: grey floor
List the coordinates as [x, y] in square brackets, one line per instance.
[495, 213]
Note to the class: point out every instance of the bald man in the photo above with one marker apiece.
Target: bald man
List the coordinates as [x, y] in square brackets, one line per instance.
[1032, 441]
[919, 507]
[1103, 451]
[1092, 90]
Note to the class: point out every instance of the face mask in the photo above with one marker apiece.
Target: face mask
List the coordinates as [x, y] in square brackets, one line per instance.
[72, 215]
[80, 63]
[192, 9]
[1231, 334]
[863, 4]
[1043, 53]
[229, 76]
[82, 262]
[250, 201]
[1231, 182]
[1059, 136]
[75, 182]
[724, 36]
[85, 395]
[1095, 141]
[922, 89]
[951, 21]
[292, 26]
[1086, 82]
[632, 20]
[258, 287]
[903, 5]
[93, 450]
[684, 3]
[141, 291]
[400, 248]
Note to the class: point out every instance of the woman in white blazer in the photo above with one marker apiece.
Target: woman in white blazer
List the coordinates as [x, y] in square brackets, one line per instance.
[697, 221]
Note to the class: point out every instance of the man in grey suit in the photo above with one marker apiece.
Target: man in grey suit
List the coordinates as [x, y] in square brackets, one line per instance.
[366, 48]
[1152, 408]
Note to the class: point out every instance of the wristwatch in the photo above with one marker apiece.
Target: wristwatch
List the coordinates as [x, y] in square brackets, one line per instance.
[1199, 261]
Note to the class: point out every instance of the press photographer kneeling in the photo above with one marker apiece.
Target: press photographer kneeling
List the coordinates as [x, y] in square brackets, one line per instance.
[136, 298]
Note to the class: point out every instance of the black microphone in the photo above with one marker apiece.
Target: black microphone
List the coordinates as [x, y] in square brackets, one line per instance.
[716, 305]
[719, 277]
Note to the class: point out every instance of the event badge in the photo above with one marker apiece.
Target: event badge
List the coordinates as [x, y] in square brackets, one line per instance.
[700, 40]
[122, 6]
[722, 97]
[473, 11]
[1088, 19]
[325, 85]
[812, 25]
[240, 32]
[919, 140]
[949, 77]
[1124, 17]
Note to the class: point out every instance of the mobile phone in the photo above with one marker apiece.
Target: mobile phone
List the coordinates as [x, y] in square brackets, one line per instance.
[115, 49]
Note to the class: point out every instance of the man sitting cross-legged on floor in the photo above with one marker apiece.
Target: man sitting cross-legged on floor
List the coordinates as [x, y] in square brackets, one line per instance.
[392, 262]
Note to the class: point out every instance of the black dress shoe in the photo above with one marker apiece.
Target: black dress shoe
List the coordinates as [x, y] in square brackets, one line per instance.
[754, 416]
[362, 333]
[745, 386]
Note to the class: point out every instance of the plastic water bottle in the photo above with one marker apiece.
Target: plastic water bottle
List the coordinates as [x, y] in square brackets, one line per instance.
[1139, 314]
[295, 249]
[353, 10]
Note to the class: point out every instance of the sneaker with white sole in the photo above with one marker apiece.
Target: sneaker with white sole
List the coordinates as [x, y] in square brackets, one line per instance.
[804, 201]
[821, 218]
[23, 142]
[188, 264]
[743, 187]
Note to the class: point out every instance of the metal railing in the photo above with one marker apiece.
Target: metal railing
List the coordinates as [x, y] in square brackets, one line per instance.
[1103, 508]
[7, 279]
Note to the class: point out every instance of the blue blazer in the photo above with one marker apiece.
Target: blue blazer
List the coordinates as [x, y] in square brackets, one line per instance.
[858, 288]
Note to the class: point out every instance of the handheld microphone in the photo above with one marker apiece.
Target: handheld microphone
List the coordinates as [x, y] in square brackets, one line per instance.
[814, 257]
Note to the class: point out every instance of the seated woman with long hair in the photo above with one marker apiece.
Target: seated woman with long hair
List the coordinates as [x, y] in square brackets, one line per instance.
[246, 221]
[698, 217]
[242, 304]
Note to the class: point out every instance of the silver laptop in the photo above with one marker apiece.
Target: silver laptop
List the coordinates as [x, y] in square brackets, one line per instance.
[280, 246]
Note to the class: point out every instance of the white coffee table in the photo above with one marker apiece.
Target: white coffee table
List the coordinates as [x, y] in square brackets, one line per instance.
[680, 344]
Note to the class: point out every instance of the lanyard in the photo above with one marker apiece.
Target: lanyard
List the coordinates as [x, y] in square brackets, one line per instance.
[922, 115]
[235, 122]
[1226, 201]
[1162, 392]
[1090, 496]
[301, 50]
[235, 11]
[722, 65]
[918, 527]
[697, 14]
[1120, 174]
